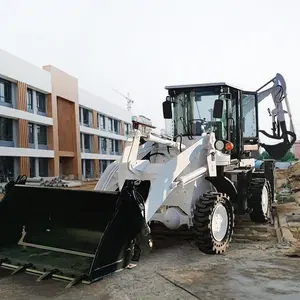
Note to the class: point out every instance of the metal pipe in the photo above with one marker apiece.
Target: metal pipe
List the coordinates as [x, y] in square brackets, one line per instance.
[186, 179]
[162, 141]
[272, 80]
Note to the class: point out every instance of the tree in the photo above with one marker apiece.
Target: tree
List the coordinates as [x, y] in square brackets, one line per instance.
[289, 156]
[264, 155]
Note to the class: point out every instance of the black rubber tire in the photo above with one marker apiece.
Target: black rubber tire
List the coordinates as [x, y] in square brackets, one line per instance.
[202, 225]
[255, 201]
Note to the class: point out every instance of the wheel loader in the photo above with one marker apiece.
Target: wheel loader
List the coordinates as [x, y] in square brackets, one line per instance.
[200, 178]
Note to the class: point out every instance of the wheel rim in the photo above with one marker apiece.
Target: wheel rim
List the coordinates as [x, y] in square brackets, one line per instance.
[219, 222]
[265, 200]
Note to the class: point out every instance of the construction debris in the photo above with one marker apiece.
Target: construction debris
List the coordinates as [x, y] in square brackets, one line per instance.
[52, 182]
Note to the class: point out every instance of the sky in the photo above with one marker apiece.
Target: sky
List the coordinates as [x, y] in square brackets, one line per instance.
[139, 47]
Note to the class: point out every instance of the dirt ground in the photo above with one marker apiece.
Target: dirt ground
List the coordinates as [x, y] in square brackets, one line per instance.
[177, 270]
[252, 271]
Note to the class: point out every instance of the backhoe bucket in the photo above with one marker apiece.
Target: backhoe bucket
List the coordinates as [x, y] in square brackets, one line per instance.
[68, 234]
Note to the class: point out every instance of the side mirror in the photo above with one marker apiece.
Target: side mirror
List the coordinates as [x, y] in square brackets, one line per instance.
[218, 109]
[167, 109]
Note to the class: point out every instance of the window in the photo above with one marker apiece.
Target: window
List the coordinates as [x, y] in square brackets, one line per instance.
[87, 117]
[29, 100]
[110, 124]
[6, 129]
[102, 122]
[42, 134]
[85, 114]
[32, 166]
[117, 126]
[6, 168]
[193, 114]
[249, 116]
[103, 145]
[111, 146]
[30, 133]
[87, 142]
[80, 119]
[117, 147]
[43, 167]
[5, 92]
[88, 168]
[41, 102]
[103, 165]
[127, 128]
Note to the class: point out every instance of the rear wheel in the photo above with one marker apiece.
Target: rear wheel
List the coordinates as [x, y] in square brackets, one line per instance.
[213, 222]
[261, 200]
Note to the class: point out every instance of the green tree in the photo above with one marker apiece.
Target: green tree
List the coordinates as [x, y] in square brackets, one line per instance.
[289, 156]
[264, 155]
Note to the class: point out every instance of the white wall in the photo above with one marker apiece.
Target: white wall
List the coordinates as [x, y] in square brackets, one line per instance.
[103, 106]
[28, 152]
[16, 69]
[20, 114]
[102, 133]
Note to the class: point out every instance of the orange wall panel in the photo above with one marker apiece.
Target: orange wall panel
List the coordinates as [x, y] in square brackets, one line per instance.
[24, 166]
[97, 168]
[49, 106]
[122, 128]
[22, 96]
[95, 125]
[50, 138]
[66, 125]
[23, 133]
[51, 167]
[64, 109]
[96, 144]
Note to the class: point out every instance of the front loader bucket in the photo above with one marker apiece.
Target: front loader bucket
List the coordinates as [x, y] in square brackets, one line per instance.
[67, 234]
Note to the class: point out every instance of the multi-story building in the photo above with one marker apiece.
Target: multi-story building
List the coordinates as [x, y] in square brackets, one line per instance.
[104, 128]
[51, 127]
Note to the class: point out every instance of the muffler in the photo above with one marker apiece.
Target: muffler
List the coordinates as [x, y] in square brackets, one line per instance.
[77, 235]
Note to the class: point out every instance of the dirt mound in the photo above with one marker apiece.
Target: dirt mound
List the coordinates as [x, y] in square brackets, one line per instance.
[290, 176]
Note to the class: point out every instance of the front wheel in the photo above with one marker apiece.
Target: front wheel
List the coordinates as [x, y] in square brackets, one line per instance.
[213, 222]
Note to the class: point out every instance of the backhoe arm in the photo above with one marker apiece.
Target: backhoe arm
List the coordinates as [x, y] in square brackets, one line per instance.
[279, 127]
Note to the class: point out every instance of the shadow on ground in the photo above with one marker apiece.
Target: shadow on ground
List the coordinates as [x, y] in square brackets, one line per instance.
[250, 279]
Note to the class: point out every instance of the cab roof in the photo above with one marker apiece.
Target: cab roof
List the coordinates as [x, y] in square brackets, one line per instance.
[201, 85]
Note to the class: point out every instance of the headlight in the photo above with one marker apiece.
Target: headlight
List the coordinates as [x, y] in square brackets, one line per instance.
[224, 146]
[219, 145]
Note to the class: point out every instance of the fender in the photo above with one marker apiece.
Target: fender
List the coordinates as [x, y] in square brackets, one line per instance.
[224, 185]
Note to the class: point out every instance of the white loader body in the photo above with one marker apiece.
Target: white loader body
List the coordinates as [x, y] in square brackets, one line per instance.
[177, 177]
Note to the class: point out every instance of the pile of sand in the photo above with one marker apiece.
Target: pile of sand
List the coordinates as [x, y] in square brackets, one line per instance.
[290, 176]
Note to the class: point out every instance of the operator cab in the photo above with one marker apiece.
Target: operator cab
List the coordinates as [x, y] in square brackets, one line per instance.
[224, 109]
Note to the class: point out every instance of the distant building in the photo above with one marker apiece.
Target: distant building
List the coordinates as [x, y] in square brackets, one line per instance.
[297, 149]
[49, 126]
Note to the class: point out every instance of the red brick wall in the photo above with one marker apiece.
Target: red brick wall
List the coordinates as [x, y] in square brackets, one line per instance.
[297, 149]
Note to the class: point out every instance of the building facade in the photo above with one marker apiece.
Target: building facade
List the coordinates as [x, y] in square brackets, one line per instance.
[297, 149]
[51, 127]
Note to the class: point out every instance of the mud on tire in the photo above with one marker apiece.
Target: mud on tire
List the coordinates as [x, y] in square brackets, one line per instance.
[205, 214]
[260, 188]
